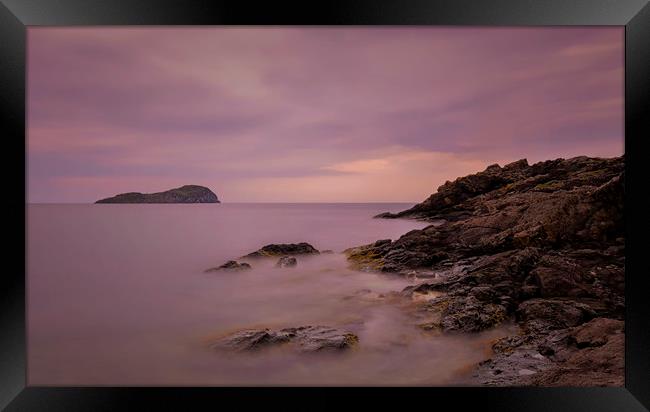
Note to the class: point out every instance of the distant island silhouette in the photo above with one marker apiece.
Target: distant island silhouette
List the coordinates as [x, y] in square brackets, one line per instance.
[183, 194]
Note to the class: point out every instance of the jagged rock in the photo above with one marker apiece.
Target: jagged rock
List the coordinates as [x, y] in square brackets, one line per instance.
[184, 194]
[596, 332]
[304, 339]
[459, 198]
[252, 339]
[368, 257]
[231, 266]
[286, 262]
[553, 313]
[542, 245]
[591, 354]
[468, 314]
[284, 249]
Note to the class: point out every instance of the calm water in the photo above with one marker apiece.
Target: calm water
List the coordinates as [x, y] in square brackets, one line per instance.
[117, 296]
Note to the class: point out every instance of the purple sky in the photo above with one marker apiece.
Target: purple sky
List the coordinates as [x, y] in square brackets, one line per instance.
[311, 114]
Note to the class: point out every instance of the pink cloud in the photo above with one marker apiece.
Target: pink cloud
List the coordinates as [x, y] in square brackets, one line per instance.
[282, 113]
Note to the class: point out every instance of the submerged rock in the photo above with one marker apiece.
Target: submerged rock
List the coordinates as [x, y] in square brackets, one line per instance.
[184, 194]
[251, 339]
[231, 266]
[273, 250]
[365, 295]
[287, 262]
[303, 339]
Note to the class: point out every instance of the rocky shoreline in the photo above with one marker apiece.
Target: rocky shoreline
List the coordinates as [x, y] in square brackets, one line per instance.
[539, 245]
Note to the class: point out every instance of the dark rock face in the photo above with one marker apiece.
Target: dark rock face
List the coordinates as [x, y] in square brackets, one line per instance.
[303, 339]
[184, 194]
[543, 314]
[273, 250]
[542, 246]
[286, 262]
[231, 266]
[458, 199]
[559, 206]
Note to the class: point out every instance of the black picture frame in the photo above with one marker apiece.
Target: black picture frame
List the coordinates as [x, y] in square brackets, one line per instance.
[16, 15]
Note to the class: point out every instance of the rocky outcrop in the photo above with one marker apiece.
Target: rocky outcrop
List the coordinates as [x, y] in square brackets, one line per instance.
[591, 354]
[286, 262]
[231, 266]
[302, 339]
[283, 249]
[540, 245]
[584, 212]
[184, 194]
[368, 257]
[458, 199]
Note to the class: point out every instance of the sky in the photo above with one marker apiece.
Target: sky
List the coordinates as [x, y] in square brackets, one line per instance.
[328, 114]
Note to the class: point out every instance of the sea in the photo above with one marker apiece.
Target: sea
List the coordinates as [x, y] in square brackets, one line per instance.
[117, 295]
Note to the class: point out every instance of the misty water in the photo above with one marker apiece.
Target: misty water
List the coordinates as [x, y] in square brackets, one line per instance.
[117, 295]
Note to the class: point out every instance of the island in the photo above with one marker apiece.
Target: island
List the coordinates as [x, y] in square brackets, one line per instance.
[184, 194]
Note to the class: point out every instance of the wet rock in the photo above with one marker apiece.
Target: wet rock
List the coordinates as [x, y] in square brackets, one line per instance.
[286, 262]
[368, 257]
[252, 339]
[542, 245]
[596, 332]
[303, 339]
[508, 343]
[591, 354]
[511, 369]
[231, 266]
[320, 338]
[470, 315]
[553, 313]
[558, 276]
[273, 250]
